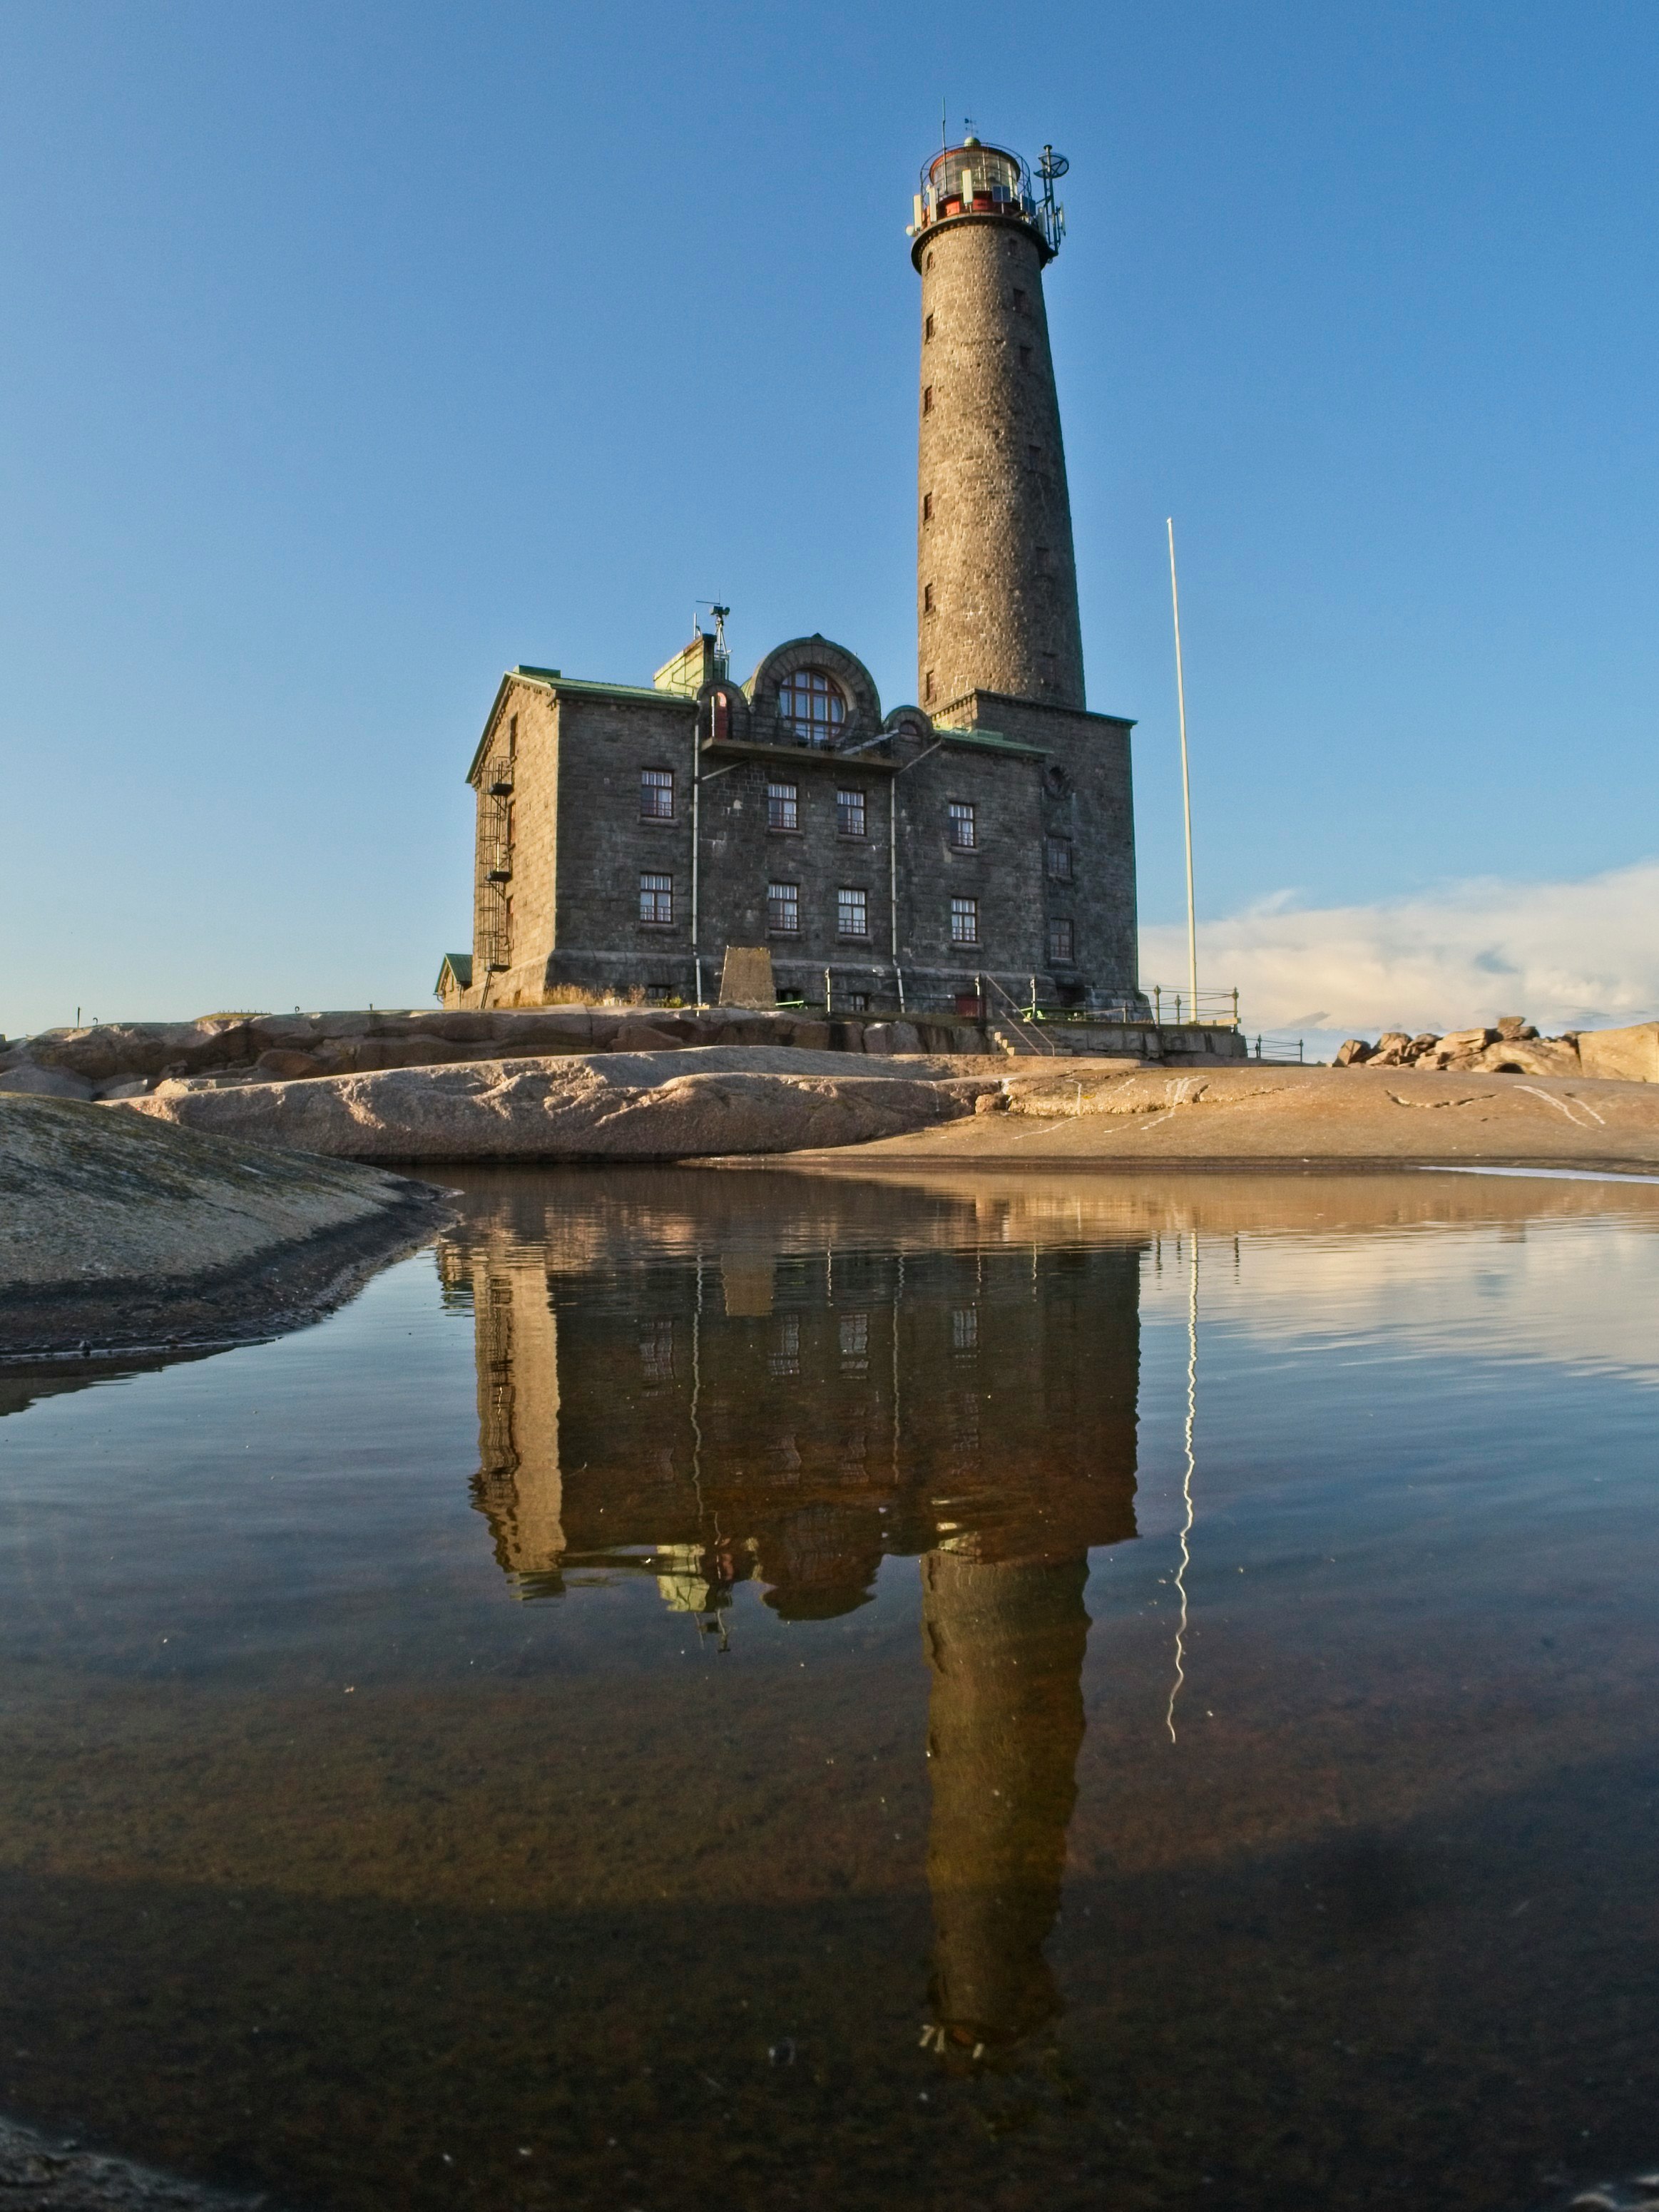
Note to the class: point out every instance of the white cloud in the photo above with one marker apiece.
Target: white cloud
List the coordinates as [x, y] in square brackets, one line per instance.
[1567, 955]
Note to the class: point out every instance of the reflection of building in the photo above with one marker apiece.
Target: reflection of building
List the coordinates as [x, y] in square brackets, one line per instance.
[795, 1416]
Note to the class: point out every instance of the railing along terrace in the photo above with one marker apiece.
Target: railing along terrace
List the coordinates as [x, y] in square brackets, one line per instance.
[1207, 1009]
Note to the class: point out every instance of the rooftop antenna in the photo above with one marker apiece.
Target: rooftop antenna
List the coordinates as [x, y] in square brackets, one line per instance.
[722, 655]
[944, 124]
[1051, 169]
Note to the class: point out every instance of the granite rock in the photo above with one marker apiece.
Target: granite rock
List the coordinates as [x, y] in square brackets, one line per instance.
[668, 1105]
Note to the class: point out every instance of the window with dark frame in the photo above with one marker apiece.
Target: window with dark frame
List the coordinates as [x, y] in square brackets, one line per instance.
[849, 813]
[963, 828]
[1062, 942]
[783, 806]
[1057, 852]
[927, 598]
[810, 702]
[854, 1332]
[927, 327]
[858, 1002]
[783, 909]
[964, 921]
[927, 399]
[928, 688]
[656, 1350]
[964, 1329]
[852, 912]
[927, 507]
[656, 794]
[656, 899]
[1019, 301]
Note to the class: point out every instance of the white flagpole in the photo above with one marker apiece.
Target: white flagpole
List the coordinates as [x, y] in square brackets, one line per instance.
[1186, 787]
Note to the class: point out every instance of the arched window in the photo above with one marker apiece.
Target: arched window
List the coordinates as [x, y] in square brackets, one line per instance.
[810, 704]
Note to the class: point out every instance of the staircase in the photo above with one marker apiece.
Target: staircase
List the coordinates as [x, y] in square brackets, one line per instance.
[1009, 1032]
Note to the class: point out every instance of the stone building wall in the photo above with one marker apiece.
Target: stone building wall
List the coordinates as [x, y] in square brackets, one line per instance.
[1087, 799]
[996, 578]
[605, 743]
[572, 754]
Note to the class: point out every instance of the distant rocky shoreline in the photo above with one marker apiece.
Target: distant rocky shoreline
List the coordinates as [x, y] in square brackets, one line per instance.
[131, 1060]
[1513, 1047]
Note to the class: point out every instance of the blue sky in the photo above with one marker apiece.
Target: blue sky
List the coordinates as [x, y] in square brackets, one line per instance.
[352, 353]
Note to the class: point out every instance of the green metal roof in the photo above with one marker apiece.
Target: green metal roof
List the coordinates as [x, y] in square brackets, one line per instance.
[551, 678]
[991, 741]
[459, 965]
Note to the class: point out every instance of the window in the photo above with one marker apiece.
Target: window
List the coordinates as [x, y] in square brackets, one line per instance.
[656, 899]
[783, 806]
[963, 829]
[1035, 455]
[513, 736]
[964, 921]
[927, 507]
[656, 1350]
[783, 908]
[656, 794]
[858, 1002]
[1060, 942]
[785, 1345]
[1019, 301]
[927, 598]
[855, 1340]
[929, 257]
[964, 1329]
[927, 327]
[1057, 859]
[1025, 356]
[852, 912]
[927, 399]
[849, 813]
[810, 703]
[928, 688]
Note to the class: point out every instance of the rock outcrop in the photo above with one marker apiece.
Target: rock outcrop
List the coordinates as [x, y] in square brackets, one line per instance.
[121, 1230]
[1513, 1047]
[654, 1105]
[113, 1060]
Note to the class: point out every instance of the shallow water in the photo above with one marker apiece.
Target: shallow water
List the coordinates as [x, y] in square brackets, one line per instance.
[769, 1689]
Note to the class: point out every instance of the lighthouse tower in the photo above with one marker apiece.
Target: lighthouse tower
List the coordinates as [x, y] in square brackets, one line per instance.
[996, 578]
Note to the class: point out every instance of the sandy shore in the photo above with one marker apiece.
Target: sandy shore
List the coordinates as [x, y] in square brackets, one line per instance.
[1100, 1115]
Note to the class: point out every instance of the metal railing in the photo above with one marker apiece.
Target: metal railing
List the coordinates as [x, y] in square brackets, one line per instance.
[1208, 1009]
[1025, 1018]
[1280, 1049]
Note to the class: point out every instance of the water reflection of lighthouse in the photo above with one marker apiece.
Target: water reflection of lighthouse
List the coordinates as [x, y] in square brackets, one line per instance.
[1004, 1640]
[791, 1419]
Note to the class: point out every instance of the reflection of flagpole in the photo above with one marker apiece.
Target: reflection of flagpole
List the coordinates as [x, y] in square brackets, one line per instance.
[1187, 1484]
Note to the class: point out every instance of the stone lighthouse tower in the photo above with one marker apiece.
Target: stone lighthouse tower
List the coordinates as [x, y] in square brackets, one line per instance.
[996, 581]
